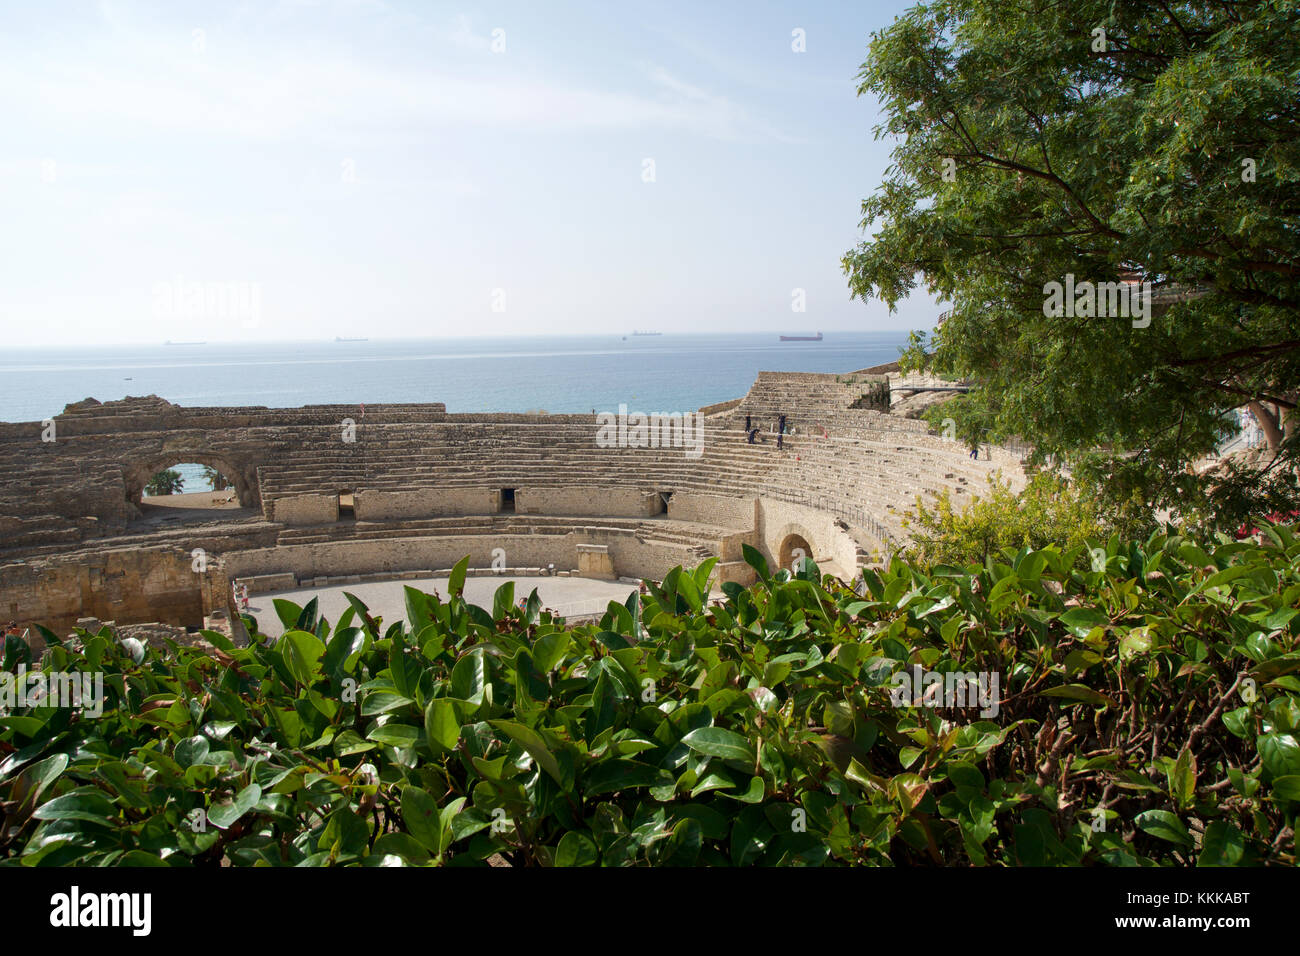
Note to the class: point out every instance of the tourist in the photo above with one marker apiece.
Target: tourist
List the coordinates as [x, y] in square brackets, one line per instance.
[747, 422]
[751, 432]
[1254, 432]
[975, 450]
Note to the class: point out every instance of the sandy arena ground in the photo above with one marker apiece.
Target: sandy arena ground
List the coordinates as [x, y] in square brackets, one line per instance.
[208, 500]
[164, 510]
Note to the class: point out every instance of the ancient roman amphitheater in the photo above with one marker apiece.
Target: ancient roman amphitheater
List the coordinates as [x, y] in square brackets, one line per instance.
[332, 494]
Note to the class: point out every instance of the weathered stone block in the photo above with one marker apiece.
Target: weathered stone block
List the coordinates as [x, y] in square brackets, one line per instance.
[595, 561]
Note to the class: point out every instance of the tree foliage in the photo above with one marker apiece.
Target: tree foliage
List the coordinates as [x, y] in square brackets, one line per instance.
[169, 482]
[215, 479]
[1050, 510]
[1108, 141]
[1146, 712]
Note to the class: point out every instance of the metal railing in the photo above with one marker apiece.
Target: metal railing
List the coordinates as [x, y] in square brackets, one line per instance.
[1017, 447]
[591, 607]
[837, 507]
[923, 382]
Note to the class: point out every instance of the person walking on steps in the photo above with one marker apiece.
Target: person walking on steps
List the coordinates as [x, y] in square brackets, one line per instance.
[780, 432]
[975, 450]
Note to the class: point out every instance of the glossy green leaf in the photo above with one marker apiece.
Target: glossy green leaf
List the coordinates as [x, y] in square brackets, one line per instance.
[223, 816]
[717, 742]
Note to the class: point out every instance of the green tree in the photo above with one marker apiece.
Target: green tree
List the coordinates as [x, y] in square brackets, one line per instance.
[215, 479]
[1049, 511]
[167, 482]
[1108, 141]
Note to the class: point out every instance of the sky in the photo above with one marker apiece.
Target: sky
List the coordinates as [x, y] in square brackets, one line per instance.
[316, 168]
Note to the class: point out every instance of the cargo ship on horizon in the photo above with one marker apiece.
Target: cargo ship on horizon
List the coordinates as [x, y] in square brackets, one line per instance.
[802, 338]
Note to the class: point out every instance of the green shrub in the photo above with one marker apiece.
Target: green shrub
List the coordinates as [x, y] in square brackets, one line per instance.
[1147, 713]
[1049, 510]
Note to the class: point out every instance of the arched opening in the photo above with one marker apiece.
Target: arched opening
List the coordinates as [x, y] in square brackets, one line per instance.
[794, 547]
[183, 487]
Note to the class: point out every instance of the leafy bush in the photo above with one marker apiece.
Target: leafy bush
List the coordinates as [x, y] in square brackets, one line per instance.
[1148, 713]
[1049, 510]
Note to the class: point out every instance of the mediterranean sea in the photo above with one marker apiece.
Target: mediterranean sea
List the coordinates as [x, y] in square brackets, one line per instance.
[558, 374]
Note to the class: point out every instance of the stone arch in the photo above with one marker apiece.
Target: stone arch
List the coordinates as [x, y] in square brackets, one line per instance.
[137, 474]
[791, 537]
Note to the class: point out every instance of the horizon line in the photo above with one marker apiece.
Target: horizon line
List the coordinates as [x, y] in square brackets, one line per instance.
[350, 340]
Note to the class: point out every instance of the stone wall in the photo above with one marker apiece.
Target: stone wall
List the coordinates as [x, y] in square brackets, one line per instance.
[335, 558]
[834, 549]
[632, 557]
[128, 585]
[304, 509]
[720, 406]
[713, 509]
[612, 501]
[373, 505]
[81, 474]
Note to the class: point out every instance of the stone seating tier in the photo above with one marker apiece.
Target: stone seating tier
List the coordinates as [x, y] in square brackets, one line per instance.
[879, 477]
[869, 463]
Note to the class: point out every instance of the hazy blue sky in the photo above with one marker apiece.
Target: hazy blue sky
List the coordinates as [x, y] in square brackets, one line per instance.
[368, 168]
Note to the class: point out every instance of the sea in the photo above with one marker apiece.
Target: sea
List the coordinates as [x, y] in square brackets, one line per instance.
[558, 374]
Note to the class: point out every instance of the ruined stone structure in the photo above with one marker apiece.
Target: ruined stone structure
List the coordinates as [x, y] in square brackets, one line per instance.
[330, 492]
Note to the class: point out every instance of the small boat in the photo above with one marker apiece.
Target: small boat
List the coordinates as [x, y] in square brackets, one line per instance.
[802, 338]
